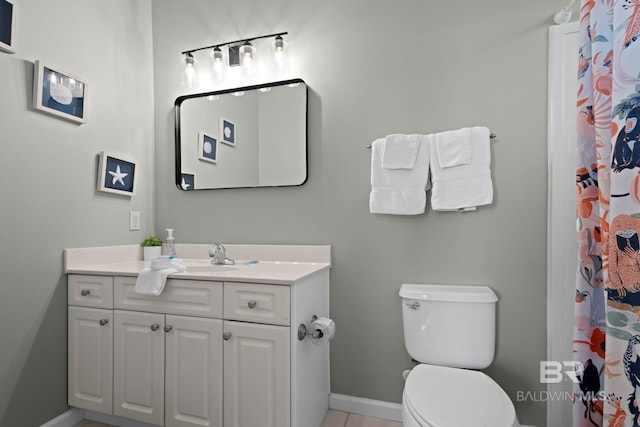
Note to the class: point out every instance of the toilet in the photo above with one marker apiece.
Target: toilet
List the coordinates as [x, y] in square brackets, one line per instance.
[450, 331]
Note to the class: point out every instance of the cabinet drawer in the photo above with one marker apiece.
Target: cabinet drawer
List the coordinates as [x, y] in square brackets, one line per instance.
[90, 291]
[256, 303]
[186, 297]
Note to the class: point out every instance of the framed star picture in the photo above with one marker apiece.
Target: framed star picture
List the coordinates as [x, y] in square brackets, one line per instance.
[59, 93]
[207, 148]
[116, 174]
[7, 25]
[227, 132]
[188, 182]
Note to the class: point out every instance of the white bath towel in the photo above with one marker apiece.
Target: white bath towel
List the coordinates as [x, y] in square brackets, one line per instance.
[151, 281]
[453, 148]
[465, 186]
[400, 151]
[399, 191]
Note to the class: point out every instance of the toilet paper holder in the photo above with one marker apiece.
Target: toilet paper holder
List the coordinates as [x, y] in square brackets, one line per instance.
[303, 332]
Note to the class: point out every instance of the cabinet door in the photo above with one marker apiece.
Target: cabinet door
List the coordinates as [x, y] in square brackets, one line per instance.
[138, 365]
[256, 375]
[90, 358]
[193, 375]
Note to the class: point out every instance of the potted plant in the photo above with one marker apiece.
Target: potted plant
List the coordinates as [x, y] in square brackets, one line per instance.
[152, 247]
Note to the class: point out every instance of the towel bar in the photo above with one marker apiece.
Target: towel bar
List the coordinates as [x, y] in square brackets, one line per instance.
[492, 135]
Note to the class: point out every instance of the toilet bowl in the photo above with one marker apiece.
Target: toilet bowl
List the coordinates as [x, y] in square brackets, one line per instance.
[450, 331]
[438, 396]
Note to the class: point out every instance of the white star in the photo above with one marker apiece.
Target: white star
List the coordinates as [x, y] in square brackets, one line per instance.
[118, 176]
[185, 186]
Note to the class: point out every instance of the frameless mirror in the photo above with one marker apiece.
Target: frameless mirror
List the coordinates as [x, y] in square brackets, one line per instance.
[245, 137]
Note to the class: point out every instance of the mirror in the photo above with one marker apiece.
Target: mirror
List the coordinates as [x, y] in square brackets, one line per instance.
[253, 136]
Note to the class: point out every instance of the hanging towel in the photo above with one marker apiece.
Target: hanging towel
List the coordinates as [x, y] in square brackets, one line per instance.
[400, 151]
[399, 191]
[453, 148]
[151, 280]
[465, 186]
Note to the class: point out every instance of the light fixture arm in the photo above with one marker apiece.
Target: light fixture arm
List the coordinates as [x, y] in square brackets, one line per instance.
[234, 42]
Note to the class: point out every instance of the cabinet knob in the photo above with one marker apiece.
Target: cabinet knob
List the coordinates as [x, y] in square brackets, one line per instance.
[252, 304]
[226, 336]
[168, 328]
[103, 322]
[85, 292]
[155, 327]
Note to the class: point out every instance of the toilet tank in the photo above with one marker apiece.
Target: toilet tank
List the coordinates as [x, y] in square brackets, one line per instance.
[449, 325]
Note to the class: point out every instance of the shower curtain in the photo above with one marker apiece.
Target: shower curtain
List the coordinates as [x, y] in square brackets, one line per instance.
[607, 299]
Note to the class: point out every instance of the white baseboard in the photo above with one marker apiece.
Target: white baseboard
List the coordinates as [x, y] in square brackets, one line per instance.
[368, 407]
[68, 419]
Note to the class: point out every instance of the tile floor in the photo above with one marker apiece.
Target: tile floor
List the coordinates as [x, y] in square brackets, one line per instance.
[333, 419]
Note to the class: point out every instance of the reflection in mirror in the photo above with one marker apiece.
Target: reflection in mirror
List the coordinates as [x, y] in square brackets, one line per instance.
[245, 137]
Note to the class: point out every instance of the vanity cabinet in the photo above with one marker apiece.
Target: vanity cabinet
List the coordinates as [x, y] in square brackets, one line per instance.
[203, 353]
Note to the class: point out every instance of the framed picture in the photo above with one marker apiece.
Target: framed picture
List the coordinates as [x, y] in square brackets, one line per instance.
[188, 182]
[116, 174]
[59, 93]
[227, 132]
[7, 25]
[207, 148]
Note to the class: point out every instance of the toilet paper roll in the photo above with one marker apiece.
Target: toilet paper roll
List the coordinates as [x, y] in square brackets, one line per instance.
[326, 326]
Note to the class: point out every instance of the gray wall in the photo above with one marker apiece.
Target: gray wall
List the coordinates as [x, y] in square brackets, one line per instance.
[377, 67]
[48, 181]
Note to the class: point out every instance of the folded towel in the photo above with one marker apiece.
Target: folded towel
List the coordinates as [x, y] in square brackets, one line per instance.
[399, 191]
[400, 151]
[151, 281]
[453, 147]
[466, 186]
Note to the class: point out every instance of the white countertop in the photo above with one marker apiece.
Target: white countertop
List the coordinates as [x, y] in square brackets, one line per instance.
[276, 264]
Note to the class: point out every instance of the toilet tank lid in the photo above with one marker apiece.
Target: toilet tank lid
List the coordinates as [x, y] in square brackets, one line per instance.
[454, 293]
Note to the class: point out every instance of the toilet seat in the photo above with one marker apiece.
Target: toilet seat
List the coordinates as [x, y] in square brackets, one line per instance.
[442, 396]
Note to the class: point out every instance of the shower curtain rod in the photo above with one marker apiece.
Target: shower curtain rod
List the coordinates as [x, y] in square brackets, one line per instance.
[492, 135]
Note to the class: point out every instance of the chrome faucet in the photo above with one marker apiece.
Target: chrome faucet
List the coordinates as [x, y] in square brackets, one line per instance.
[219, 254]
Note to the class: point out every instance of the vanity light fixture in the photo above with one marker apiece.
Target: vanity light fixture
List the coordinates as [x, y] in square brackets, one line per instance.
[240, 52]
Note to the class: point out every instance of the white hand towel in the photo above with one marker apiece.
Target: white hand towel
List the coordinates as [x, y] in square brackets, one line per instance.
[466, 186]
[400, 151]
[399, 191]
[453, 147]
[151, 282]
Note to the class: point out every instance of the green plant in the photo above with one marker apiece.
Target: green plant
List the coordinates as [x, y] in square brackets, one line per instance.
[151, 241]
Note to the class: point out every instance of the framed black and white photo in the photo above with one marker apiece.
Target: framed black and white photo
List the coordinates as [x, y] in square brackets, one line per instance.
[207, 148]
[7, 25]
[116, 174]
[188, 182]
[227, 132]
[59, 93]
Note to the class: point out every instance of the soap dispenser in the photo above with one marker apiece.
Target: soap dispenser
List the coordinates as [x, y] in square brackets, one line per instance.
[171, 247]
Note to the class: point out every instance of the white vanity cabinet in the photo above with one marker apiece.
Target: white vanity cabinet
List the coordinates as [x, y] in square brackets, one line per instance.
[203, 353]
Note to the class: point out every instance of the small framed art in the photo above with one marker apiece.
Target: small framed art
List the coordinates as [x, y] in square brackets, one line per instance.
[188, 182]
[227, 132]
[7, 25]
[59, 93]
[207, 148]
[116, 174]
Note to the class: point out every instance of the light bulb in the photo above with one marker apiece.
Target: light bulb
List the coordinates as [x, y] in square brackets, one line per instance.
[280, 56]
[190, 76]
[247, 53]
[218, 68]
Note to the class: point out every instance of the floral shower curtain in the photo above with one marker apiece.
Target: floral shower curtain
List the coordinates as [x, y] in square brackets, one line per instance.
[607, 299]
